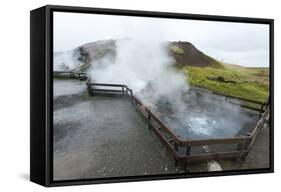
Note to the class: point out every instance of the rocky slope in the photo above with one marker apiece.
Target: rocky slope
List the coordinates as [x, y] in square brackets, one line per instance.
[184, 54]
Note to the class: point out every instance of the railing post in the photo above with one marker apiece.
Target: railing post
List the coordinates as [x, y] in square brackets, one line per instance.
[131, 95]
[187, 162]
[122, 90]
[188, 150]
[149, 120]
[71, 75]
[243, 147]
[176, 146]
[89, 88]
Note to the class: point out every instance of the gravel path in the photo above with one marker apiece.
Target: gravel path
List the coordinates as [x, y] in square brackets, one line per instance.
[103, 137]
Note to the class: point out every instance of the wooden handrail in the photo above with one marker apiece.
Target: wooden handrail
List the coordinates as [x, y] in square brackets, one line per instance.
[182, 142]
[106, 85]
[170, 132]
[108, 90]
[204, 142]
[211, 156]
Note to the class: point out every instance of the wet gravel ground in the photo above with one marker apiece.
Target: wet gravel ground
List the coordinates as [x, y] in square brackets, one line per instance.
[97, 137]
[258, 156]
[103, 137]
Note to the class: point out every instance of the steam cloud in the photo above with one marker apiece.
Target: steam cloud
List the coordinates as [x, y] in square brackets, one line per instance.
[142, 65]
[147, 68]
[66, 61]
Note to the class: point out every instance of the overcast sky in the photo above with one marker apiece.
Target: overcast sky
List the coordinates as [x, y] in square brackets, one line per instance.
[237, 43]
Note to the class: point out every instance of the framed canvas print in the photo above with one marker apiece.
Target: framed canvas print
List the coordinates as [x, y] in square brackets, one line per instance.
[122, 95]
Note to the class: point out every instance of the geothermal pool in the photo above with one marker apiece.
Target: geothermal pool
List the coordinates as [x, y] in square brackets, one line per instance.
[203, 115]
[196, 114]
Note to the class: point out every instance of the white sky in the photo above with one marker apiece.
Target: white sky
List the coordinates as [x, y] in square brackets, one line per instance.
[239, 43]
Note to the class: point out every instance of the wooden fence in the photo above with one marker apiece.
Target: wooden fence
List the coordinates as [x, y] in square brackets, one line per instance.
[70, 74]
[182, 149]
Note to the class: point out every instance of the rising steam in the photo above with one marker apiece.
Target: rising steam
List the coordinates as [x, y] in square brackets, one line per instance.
[67, 61]
[142, 65]
[148, 69]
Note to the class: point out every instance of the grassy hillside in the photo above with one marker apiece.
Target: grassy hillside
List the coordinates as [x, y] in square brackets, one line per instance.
[234, 80]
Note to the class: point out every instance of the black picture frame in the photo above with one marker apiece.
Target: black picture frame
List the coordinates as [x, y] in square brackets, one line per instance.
[41, 108]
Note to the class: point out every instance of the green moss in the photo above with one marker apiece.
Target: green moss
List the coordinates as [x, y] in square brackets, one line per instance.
[217, 64]
[247, 83]
[177, 50]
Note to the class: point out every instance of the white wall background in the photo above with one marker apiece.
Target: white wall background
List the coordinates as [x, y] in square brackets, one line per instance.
[14, 103]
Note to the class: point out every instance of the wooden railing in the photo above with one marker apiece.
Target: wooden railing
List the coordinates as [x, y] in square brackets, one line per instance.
[243, 102]
[70, 74]
[173, 142]
[95, 88]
